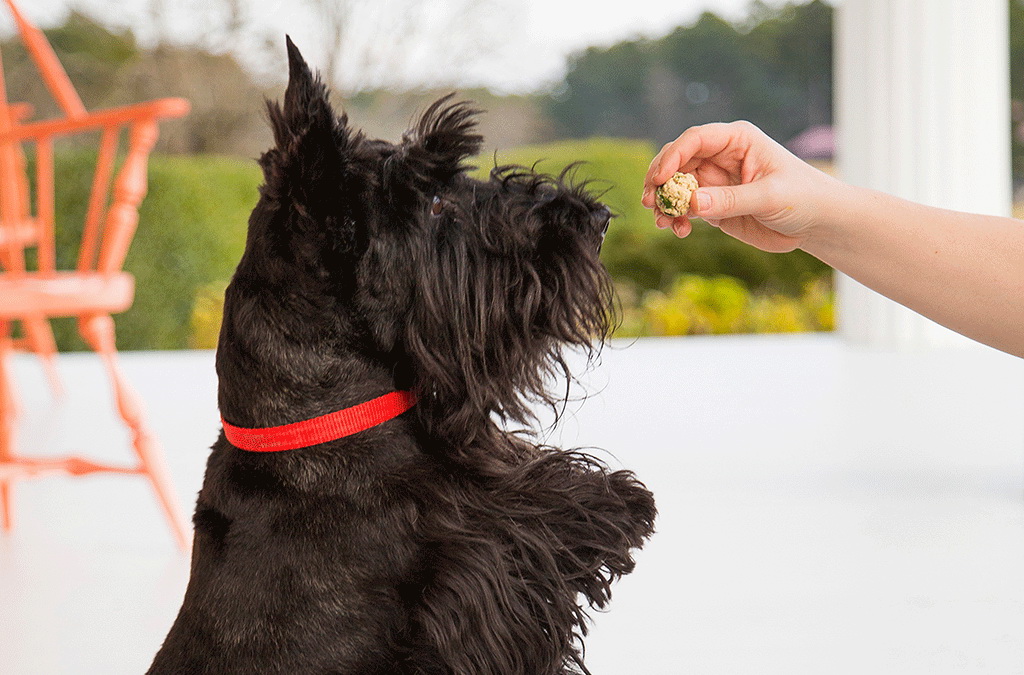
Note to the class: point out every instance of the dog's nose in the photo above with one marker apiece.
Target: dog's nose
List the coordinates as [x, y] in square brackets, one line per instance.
[601, 218]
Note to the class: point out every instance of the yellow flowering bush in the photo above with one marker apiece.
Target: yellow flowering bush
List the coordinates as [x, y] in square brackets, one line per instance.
[696, 305]
[207, 311]
[693, 305]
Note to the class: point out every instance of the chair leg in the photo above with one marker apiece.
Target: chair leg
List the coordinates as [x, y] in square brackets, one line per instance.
[7, 415]
[39, 337]
[6, 514]
[98, 331]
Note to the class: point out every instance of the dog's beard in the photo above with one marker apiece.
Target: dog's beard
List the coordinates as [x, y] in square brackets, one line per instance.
[489, 336]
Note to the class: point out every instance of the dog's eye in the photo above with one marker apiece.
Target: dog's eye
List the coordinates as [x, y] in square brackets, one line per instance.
[437, 206]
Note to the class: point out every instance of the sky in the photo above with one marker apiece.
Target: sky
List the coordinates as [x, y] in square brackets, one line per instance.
[522, 45]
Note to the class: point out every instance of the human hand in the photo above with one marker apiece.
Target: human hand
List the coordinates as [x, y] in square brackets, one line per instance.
[751, 187]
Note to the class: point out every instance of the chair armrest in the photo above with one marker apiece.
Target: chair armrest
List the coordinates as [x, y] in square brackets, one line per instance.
[99, 119]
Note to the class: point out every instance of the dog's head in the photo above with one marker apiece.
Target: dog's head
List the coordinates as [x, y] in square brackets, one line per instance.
[468, 290]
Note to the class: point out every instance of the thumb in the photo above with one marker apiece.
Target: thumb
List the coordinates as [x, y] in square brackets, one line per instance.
[729, 201]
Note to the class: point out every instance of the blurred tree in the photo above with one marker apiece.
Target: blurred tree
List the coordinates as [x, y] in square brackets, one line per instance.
[775, 69]
[797, 42]
[229, 27]
[602, 94]
[726, 77]
[227, 106]
[382, 44]
[92, 55]
[110, 68]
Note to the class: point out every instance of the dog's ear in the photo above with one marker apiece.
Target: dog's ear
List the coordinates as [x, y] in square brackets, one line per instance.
[311, 141]
[442, 139]
[306, 106]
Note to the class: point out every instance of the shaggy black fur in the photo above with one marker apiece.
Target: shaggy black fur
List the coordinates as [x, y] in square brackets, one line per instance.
[436, 543]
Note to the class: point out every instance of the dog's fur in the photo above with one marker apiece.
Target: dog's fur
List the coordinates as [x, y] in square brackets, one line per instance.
[436, 543]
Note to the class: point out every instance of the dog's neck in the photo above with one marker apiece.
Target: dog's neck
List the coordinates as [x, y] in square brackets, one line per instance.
[268, 396]
[323, 429]
[292, 373]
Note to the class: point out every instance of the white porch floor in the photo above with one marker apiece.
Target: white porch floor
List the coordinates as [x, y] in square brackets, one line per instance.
[823, 510]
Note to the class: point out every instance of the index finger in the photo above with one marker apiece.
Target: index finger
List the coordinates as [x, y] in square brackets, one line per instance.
[701, 142]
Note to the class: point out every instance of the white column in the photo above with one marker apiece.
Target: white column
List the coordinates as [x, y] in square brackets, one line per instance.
[922, 112]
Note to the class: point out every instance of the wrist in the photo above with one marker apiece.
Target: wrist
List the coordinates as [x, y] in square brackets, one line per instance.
[837, 211]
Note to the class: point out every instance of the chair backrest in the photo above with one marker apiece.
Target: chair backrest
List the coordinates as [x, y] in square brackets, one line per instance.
[15, 211]
[53, 73]
[110, 220]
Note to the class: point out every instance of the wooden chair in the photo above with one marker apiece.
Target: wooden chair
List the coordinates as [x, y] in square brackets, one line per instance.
[18, 224]
[97, 287]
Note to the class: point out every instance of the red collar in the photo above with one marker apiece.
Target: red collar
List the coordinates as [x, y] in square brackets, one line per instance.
[321, 429]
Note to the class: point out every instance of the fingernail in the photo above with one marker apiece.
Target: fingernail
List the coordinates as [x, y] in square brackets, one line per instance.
[703, 200]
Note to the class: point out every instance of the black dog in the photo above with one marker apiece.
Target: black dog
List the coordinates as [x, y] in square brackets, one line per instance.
[435, 543]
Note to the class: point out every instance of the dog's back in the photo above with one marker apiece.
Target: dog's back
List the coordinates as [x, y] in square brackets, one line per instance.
[295, 573]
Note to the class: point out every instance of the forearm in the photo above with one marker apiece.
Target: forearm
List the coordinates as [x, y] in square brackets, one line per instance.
[964, 271]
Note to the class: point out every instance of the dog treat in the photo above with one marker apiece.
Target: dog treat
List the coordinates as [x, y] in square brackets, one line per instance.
[674, 196]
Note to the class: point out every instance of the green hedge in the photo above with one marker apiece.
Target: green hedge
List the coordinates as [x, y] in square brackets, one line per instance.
[191, 233]
[193, 221]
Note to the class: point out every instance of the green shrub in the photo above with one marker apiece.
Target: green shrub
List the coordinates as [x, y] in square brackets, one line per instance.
[192, 227]
[207, 312]
[191, 233]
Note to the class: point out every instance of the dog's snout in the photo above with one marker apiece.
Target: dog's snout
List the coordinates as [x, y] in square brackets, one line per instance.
[602, 217]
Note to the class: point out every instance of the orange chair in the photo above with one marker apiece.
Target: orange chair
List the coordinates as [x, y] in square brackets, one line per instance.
[97, 287]
[16, 222]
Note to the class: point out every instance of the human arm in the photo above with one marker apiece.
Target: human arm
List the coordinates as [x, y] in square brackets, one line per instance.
[965, 271]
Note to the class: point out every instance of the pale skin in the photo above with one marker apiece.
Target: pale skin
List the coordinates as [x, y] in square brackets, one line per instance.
[962, 270]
